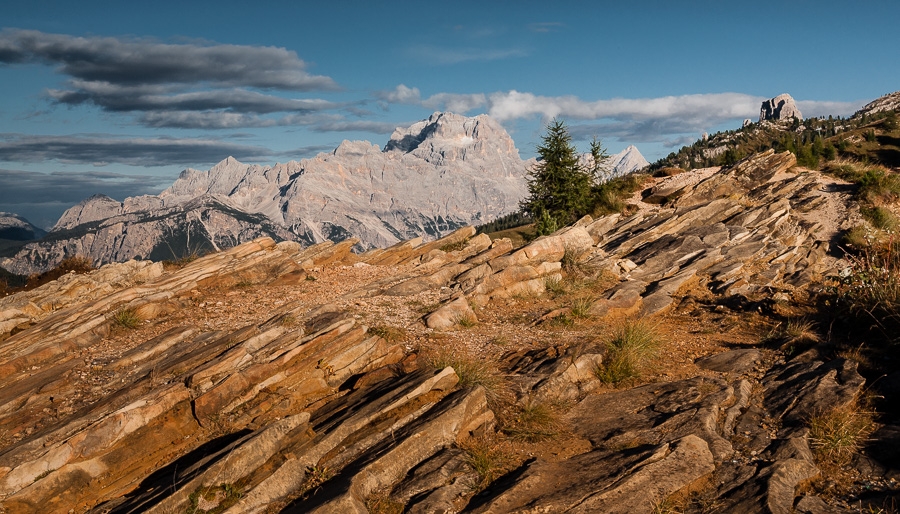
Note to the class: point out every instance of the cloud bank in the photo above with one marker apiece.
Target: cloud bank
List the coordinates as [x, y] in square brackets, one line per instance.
[190, 86]
[664, 120]
[30, 194]
[100, 150]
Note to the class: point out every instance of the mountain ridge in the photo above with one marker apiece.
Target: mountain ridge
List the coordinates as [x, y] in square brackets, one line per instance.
[430, 178]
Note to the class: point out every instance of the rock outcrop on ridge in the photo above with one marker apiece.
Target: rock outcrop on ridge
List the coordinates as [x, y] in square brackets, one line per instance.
[782, 107]
[275, 378]
[888, 102]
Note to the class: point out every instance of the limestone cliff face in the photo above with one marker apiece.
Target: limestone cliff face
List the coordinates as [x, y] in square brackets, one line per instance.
[431, 178]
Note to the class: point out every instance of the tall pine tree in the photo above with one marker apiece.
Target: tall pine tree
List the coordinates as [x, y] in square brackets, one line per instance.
[559, 188]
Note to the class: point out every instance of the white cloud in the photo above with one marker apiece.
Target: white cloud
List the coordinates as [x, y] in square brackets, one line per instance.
[715, 107]
[400, 95]
[459, 103]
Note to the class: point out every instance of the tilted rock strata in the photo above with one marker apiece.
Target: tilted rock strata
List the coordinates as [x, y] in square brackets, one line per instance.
[312, 400]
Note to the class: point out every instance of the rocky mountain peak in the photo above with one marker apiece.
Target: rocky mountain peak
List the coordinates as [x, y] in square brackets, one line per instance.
[628, 160]
[446, 137]
[782, 107]
[94, 208]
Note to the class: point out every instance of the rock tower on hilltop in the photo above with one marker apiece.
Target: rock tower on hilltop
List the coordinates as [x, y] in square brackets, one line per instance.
[782, 107]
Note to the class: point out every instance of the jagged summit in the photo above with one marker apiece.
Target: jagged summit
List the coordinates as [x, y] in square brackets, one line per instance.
[628, 160]
[446, 137]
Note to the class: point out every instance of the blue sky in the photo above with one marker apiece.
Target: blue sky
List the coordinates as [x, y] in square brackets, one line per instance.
[118, 97]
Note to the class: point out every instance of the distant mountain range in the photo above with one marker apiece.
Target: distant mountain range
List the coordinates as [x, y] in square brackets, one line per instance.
[431, 178]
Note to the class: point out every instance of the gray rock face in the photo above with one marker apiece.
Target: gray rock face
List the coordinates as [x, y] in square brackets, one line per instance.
[782, 107]
[439, 174]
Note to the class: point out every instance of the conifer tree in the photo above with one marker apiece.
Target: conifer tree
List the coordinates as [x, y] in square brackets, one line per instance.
[559, 188]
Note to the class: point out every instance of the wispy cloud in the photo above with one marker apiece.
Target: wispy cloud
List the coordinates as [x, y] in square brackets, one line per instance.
[445, 56]
[714, 108]
[813, 108]
[455, 102]
[375, 127]
[116, 99]
[100, 150]
[547, 26]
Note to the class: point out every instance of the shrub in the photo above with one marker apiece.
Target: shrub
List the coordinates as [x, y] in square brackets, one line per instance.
[609, 197]
[454, 247]
[668, 171]
[857, 237]
[75, 264]
[871, 284]
[628, 351]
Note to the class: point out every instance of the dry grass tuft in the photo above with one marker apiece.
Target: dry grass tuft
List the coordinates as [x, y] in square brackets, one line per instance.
[487, 457]
[471, 370]
[581, 307]
[390, 334]
[380, 502]
[632, 346]
[837, 435]
[533, 422]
